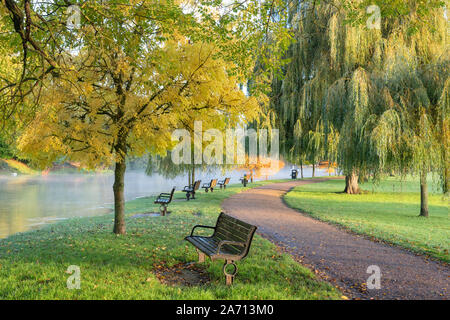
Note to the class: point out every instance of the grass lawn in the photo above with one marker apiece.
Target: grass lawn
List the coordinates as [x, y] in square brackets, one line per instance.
[33, 264]
[11, 165]
[389, 211]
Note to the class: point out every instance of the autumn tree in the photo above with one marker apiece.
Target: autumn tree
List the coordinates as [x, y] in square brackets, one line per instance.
[118, 83]
[112, 109]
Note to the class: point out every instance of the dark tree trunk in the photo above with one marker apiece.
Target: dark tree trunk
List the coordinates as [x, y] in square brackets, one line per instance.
[119, 200]
[193, 174]
[301, 169]
[446, 179]
[423, 194]
[351, 184]
[314, 169]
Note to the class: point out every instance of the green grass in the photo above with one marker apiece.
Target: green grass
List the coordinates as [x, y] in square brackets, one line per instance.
[388, 211]
[33, 264]
[16, 166]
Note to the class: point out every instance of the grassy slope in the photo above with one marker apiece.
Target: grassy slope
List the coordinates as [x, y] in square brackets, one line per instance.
[33, 264]
[10, 165]
[389, 212]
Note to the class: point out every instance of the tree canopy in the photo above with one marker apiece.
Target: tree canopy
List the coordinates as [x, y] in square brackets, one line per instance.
[115, 80]
[374, 99]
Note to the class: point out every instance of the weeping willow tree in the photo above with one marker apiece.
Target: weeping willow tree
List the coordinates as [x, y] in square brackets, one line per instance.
[381, 93]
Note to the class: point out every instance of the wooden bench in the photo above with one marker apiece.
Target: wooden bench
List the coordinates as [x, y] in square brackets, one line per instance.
[223, 183]
[230, 241]
[190, 189]
[163, 200]
[210, 185]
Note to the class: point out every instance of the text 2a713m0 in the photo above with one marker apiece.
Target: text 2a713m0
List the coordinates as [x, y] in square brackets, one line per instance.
[246, 309]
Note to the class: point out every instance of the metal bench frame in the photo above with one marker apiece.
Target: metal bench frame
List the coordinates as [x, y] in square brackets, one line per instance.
[163, 200]
[190, 189]
[210, 185]
[223, 183]
[230, 241]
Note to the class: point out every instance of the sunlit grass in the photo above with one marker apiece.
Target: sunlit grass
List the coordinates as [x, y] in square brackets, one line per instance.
[381, 213]
[19, 166]
[33, 264]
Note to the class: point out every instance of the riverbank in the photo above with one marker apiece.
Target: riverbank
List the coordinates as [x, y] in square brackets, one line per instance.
[388, 211]
[15, 167]
[11, 166]
[149, 262]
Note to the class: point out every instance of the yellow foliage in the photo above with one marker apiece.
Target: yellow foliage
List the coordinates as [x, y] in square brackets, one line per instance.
[86, 114]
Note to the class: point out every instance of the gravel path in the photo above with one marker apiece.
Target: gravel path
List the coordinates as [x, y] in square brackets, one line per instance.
[336, 255]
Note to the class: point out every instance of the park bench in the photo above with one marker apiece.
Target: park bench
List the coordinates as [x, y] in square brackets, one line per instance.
[230, 241]
[163, 200]
[244, 181]
[210, 185]
[190, 189]
[223, 183]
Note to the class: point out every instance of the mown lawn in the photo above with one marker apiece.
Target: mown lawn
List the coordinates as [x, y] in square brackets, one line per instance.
[33, 264]
[388, 211]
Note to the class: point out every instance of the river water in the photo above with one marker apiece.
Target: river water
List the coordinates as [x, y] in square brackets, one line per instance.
[28, 202]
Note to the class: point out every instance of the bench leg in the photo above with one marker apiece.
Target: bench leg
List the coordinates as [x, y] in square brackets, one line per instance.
[212, 189]
[193, 195]
[188, 195]
[201, 256]
[229, 277]
[163, 209]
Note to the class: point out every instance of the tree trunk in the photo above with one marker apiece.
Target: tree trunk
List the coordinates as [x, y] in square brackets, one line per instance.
[193, 174]
[446, 179]
[301, 169]
[119, 199]
[314, 169]
[351, 183]
[423, 194]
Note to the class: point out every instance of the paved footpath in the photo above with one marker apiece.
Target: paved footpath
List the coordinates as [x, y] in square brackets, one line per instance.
[338, 256]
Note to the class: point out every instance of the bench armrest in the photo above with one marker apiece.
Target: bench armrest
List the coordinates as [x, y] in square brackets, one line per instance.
[200, 226]
[233, 243]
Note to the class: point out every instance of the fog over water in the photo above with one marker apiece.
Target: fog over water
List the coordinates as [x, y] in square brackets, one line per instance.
[28, 202]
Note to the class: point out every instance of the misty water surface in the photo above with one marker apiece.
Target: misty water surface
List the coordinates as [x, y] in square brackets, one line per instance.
[27, 202]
